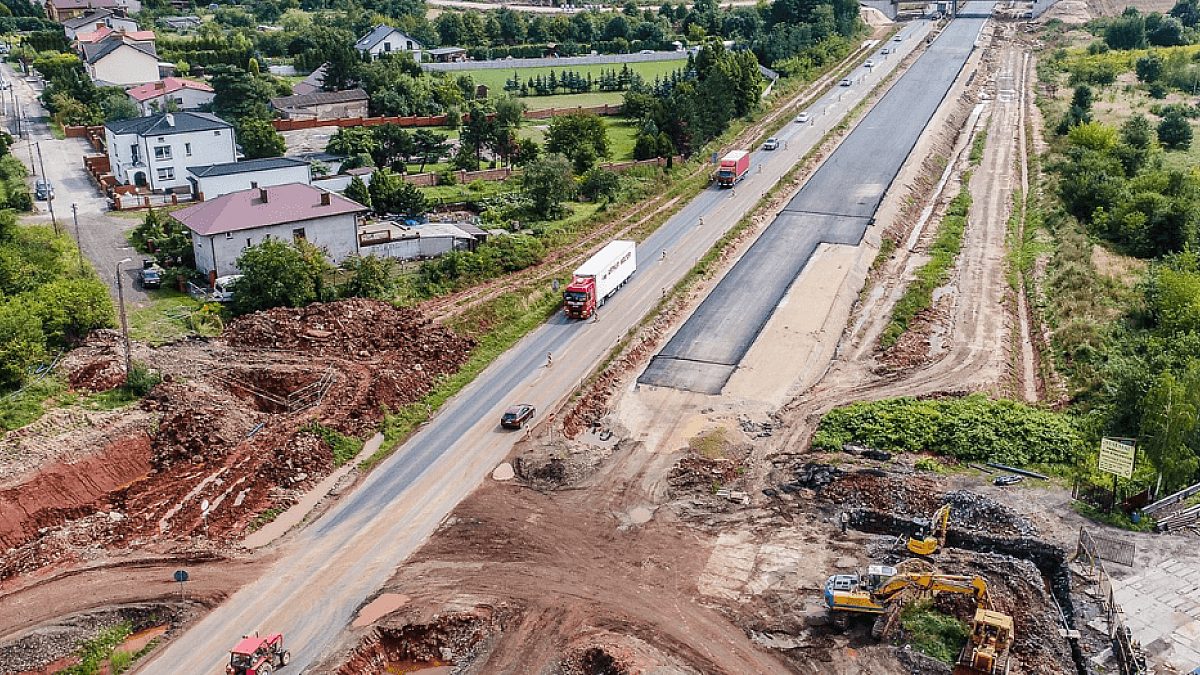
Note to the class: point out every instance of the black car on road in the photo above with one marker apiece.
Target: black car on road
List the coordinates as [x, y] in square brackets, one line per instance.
[516, 416]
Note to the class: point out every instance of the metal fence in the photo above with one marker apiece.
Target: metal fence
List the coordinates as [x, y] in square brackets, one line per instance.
[1091, 551]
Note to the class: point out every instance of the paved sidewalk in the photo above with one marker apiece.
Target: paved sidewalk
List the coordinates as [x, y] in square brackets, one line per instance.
[1162, 610]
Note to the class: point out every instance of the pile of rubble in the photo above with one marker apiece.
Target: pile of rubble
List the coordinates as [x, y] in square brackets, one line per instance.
[97, 365]
[354, 328]
[451, 639]
[972, 511]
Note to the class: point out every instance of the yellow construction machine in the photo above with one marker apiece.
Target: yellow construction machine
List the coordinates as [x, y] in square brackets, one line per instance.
[986, 653]
[933, 534]
[883, 591]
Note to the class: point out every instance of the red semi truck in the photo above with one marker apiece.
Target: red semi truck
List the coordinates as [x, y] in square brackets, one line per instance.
[733, 168]
[599, 277]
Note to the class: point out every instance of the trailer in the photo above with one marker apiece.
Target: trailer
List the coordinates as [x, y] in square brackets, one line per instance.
[599, 278]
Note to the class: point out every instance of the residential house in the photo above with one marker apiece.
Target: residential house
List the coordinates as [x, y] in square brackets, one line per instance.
[171, 94]
[387, 40]
[119, 60]
[90, 20]
[85, 42]
[63, 10]
[323, 105]
[215, 180]
[312, 83]
[448, 54]
[417, 241]
[224, 227]
[155, 152]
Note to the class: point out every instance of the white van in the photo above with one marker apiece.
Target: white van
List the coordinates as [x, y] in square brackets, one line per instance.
[223, 288]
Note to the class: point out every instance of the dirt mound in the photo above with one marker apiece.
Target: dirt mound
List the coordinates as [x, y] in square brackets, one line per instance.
[98, 365]
[451, 640]
[199, 423]
[347, 328]
[59, 640]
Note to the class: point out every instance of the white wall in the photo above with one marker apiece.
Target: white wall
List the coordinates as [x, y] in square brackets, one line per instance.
[215, 186]
[413, 248]
[336, 235]
[205, 147]
[398, 42]
[125, 66]
[192, 100]
[122, 23]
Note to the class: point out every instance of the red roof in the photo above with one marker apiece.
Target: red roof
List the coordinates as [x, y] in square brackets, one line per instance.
[246, 210]
[166, 86]
[82, 4]
[104, 31]
[248, 645]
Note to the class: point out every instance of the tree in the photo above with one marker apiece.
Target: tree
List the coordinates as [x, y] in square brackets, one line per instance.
[580, 137]
[1149, 68]
[350, 141]
[22, 343]
[547, 182]
[1169, 420]
[370, 277]
[391, 194]
[599, 184]
[259, 138]
[429, 146]
[274, 274]
[1126, 32]
[237, 94]
[357, 191]
[393, 145]
[1187, 11]
[71, 308]
[1175, 132]
[1168, 33]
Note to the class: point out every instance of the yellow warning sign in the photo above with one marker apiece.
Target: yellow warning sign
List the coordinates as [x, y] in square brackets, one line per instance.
[1116, 456]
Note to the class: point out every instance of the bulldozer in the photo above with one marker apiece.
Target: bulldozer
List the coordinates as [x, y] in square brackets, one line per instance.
[986, 652]
[933, 534]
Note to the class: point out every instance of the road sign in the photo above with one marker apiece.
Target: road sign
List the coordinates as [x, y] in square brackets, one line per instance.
[181, 576]
[1116, 456]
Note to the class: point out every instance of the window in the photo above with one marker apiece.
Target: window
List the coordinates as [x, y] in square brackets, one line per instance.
[166, 173]
[298, 234]
[162, 152]
[217, 132]
[248, 242]
[229, 235]
[387, 46]
[187, 149]
[134, 151]
[410, 45]
[179, 101]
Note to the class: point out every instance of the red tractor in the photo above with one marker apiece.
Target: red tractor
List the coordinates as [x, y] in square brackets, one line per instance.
[256, 655]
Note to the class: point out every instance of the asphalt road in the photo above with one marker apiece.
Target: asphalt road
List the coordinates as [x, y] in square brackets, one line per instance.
[101, 236]
[327, 570]
[835, 206]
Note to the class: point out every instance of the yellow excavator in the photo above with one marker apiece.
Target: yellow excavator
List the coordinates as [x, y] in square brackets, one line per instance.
[934, 536]
[883, 591]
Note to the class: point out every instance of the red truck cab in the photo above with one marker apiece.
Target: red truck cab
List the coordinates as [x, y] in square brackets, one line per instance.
[579, 298]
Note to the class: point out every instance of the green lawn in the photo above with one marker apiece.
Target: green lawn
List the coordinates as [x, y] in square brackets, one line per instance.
[495, 78]
[168, 317]
[622, 133]
[480, 189]
[587, 100]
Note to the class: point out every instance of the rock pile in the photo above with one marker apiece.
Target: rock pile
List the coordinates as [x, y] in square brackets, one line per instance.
[972, 511]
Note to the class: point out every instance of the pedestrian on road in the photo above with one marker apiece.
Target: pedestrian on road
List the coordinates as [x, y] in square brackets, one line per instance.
[549, 359]
[701, 221]
[845, 520]
[760, 165]
[733, 193]
[664, 255]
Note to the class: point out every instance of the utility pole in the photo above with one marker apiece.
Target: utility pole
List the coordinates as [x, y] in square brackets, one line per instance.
[124, 322]
[78, 241]
[49, 190]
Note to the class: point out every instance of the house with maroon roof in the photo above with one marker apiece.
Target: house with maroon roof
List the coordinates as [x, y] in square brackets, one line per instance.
[171, 94]
[224, 227]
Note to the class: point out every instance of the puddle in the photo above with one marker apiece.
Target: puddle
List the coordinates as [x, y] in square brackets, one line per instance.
[379, 608]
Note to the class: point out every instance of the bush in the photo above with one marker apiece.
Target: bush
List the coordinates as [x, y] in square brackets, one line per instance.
[932, 632]
[973, 428]
[141, 379]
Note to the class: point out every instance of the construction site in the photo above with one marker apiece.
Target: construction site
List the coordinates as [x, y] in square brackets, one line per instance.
[632, 528]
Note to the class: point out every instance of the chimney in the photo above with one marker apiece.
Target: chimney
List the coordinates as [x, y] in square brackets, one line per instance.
[253, 185]
[324, 198]
[160, 85]
[262, 194]
[170, 119]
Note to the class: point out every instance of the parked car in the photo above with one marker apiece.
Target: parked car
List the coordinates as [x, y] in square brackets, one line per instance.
[802, 118]
[223, 288]
[771, 144]
[517, 415]
[1007, 479]
[43, 189]
[646, 51]
[150, 276]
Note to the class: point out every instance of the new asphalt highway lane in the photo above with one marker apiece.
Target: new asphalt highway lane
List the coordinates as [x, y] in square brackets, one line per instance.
[326, 570]
[834, 206]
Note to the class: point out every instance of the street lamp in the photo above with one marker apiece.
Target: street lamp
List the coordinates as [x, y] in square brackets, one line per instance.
[124, 323]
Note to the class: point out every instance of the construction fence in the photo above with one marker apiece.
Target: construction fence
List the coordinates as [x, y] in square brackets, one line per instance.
[1092, 551]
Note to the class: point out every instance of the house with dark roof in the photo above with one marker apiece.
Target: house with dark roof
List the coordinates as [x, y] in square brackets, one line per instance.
[155, 152]
[118, 60]
[312, 83]
[448, 54]
[181, 24]
[384, 39]
[171, 94]
[64, 10]
[214, 180]
[323, 105]
[224, 227]
[92, 20]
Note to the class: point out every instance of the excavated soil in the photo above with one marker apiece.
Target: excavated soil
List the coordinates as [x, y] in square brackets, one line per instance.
[227, 426]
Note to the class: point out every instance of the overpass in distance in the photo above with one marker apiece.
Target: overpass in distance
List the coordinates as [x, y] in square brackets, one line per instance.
[835, 206]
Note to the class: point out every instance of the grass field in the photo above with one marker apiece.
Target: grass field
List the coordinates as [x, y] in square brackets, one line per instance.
[494, 78]
[622, 132]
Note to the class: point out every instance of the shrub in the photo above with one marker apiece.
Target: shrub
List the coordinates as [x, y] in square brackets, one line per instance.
[141, 379]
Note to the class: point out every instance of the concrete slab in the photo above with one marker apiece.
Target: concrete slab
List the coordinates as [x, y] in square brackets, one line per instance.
[1162, 612]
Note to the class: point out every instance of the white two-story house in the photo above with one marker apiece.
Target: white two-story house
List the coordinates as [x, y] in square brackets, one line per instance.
[387, 40]
[156, 151]
[120, 59]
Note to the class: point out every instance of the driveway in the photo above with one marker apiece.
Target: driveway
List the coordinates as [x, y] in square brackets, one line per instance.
[100, 234]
